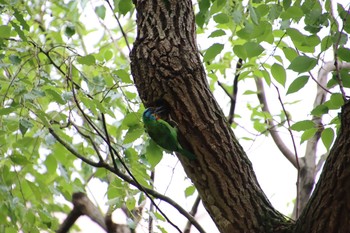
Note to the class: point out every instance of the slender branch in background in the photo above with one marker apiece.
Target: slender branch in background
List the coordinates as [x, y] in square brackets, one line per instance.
[335, 50]
[120, 26]
[231, 113]
[233, 95]
[274, 133]
[129, 180]
[90, 139]
[151, 206]
[309, 167]
[225, 90]
[113, 152]
[73, 151]
[294, 147]
[321, 161]
[320, 85]
[193, 213]
[82, 206]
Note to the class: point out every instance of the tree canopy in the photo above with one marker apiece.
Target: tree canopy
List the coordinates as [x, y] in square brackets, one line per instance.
[71, 105]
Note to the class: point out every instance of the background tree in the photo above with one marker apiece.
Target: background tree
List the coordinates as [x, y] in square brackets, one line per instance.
[70, 112]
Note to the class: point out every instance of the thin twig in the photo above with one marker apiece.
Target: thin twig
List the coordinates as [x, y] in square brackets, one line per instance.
[274, 134]
[120, 26]
[151, 207]
[335, 50]
[193, 213]
[294, 147]
[128, 179]
[231, 113]
[114, 152]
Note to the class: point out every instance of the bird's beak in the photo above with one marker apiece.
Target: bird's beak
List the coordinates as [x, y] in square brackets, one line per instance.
[159, 110]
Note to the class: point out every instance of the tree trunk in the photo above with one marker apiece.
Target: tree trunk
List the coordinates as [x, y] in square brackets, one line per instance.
[328, 209]
[167, 70]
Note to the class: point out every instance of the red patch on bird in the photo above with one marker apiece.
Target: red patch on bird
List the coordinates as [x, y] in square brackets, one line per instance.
[156, 116]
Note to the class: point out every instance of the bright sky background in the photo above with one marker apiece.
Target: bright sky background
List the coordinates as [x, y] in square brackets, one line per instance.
[276, 175]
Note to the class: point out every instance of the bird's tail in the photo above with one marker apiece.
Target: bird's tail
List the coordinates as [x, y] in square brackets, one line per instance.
[187, 154]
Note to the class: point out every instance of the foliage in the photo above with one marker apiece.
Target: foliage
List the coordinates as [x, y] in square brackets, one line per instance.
[62, 78]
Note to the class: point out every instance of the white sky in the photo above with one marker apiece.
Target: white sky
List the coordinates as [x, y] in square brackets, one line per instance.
[276, 175]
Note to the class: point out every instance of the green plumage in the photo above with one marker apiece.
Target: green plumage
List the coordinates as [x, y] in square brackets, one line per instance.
[163, 133]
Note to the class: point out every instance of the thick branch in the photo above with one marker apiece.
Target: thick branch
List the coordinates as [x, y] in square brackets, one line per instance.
[82, 206]
[308, 168]
[329, 207]
[129, 180]
[274, 133]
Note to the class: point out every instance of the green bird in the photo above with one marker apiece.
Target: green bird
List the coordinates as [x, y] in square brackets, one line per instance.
[163, 133]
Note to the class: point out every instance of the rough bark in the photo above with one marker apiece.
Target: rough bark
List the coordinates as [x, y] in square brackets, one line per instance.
[329, 207]
[167, 70]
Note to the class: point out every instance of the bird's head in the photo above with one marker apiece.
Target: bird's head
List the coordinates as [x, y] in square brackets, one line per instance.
[152, 113]
[149, 114]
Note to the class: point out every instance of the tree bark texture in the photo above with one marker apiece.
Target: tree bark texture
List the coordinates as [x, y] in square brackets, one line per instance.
[328, 210]
[167, 70]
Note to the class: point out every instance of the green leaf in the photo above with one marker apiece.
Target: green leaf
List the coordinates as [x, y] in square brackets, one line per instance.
[51, 164]
[217, 33]
[297, 84]
[24, 125]
[260, 127]
[19, 159]
[159, 216]
[101, 11]
[221, 18]
[132, 119]
[326, 43]
[240, 51]
[275, 11]
[320, 110]
[309, 133]
[344, 54]
[5, 31]
[303, 125]
[189, 191]
[237, 16]
[213, 51]
[19, 31]
[290, 53]
[133, 134]
[130, 203]
[153, 153]
[266, 76]
[15, 60]
[279, 73]
[108, 54]
[302, 64]
[21, 20]
[55, 96]
[253, 14]
[286, 4]
[253, 49]
[293, 12]
[125, 6]
[337, 100]
[69, 31]
[327, 137]
[123, 75]
[87, 60]
[204, 5]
